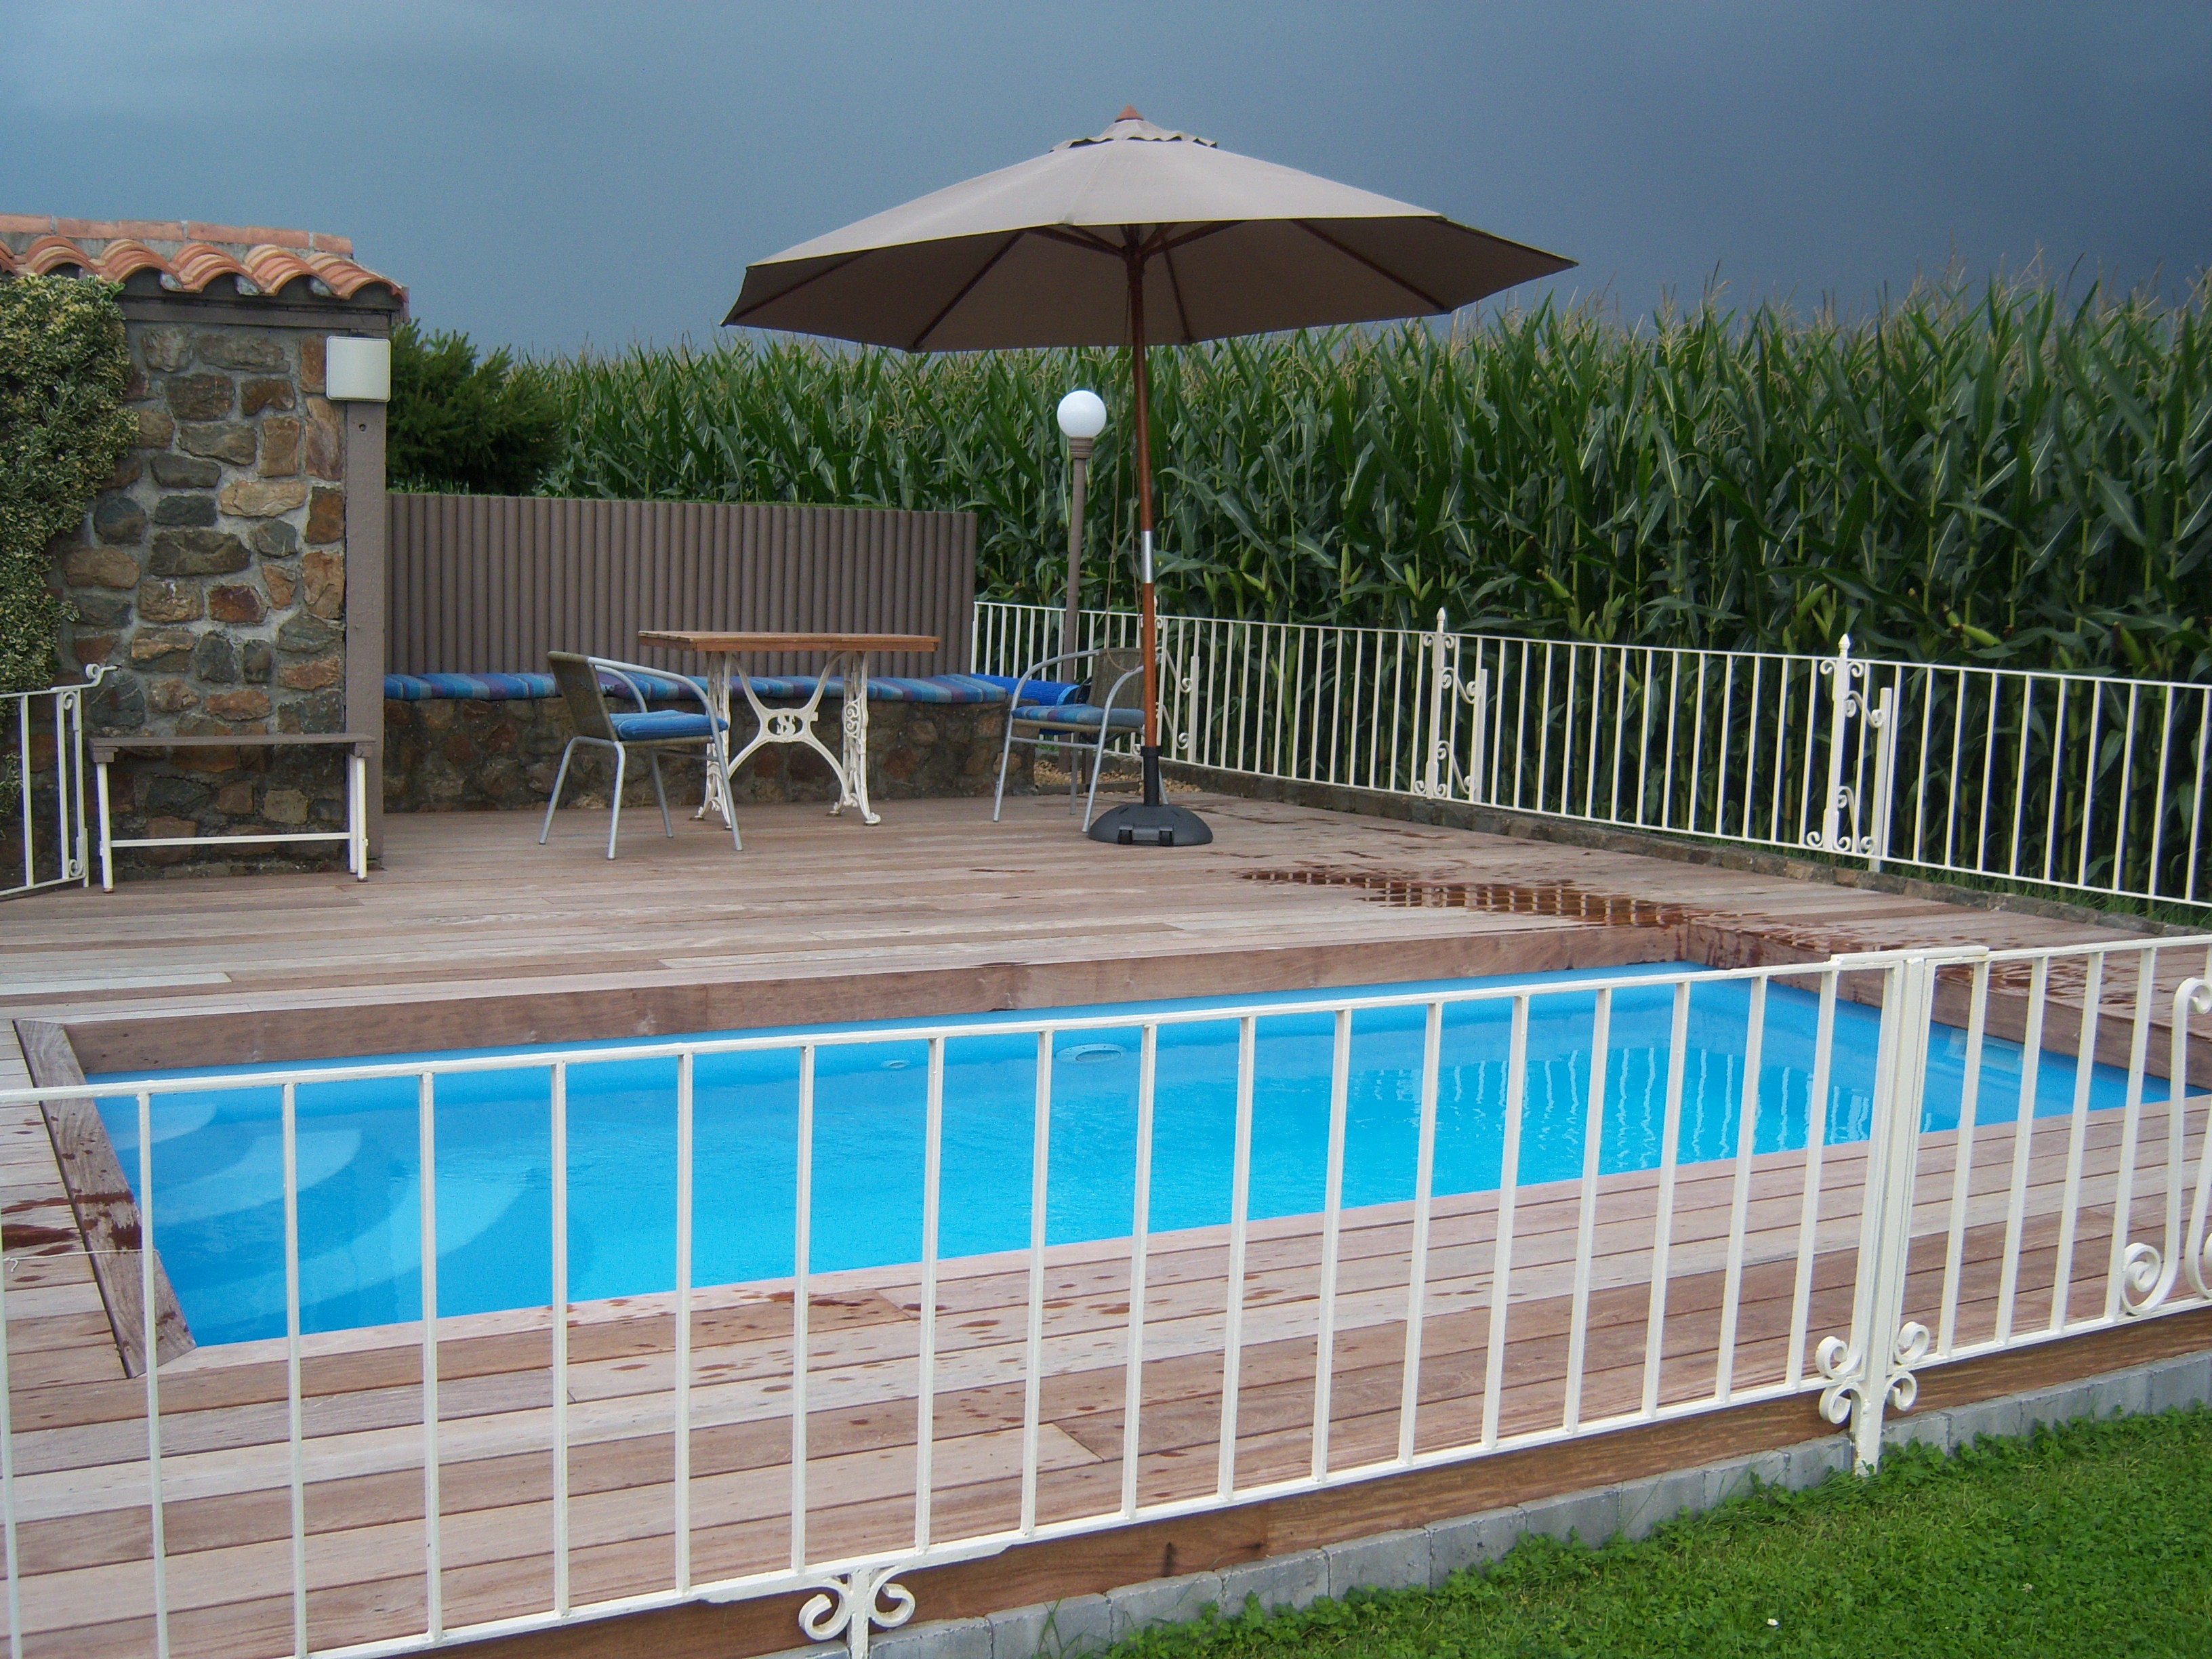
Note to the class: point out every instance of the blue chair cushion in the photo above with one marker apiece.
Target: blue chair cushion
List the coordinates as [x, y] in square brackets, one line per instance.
[1035, 691]
[660, 723]
[1079, 716]
[658, 688]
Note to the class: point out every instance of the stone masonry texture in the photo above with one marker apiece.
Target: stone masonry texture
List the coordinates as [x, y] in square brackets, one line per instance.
[209, 580]
[454, 756]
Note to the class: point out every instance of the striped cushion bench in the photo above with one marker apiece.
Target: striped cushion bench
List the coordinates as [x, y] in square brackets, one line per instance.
[505, 687]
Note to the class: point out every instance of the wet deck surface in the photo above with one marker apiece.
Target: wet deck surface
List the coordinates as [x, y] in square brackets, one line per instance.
[471, 922]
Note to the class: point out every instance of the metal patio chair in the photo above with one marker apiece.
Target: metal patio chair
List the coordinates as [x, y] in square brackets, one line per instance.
[1059, 714]
[702, 736]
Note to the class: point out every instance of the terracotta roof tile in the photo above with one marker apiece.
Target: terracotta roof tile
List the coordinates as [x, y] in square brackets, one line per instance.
[254, 236]
[186, 256]
[124, 255]
[101, 230]
[270, 268]
[346, 278]
[51, 253]
[195, 265]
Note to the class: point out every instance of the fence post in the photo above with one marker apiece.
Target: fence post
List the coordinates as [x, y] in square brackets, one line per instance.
[1187, 665]
[1872, 1369]
[77, 819]
[1433, 783]
[1481, 702]
[1837, 796]
[1884, 721]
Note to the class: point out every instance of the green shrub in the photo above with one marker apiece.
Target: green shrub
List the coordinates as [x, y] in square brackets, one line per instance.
[464, 424]
[64, 368]
[1999, 475]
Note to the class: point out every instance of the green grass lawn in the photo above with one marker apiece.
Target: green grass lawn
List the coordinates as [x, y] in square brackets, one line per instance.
[2094, 1539]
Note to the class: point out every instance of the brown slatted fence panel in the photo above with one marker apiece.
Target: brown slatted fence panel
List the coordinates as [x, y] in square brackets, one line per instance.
[488, 584]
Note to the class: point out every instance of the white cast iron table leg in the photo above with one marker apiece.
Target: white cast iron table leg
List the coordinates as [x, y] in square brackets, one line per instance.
[852, 775]
[716, 796]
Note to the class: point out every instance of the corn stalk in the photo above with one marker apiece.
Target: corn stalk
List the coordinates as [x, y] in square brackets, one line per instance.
[2001, 476]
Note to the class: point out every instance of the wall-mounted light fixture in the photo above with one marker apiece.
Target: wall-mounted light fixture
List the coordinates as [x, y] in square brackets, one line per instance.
[357, 370]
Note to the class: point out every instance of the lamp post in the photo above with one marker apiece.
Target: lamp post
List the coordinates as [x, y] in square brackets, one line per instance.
[1082, 417]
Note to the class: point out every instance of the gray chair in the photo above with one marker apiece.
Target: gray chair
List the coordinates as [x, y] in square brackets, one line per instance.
[701, 735]
[1070, 715]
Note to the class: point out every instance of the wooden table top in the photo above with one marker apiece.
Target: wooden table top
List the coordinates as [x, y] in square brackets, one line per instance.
[716, 640]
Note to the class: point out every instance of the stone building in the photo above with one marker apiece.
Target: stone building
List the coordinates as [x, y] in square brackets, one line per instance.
[229, 575]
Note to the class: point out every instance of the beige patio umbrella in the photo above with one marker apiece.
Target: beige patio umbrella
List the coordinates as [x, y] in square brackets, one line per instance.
[1139, 236]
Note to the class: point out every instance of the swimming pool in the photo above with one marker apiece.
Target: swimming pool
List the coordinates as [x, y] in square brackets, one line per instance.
[217, 1156]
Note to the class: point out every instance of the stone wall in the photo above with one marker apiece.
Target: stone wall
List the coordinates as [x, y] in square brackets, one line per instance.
[460, 756]
[210, 579]
[211, 575]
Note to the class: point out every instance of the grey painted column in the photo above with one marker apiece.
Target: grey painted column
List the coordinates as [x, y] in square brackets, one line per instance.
[366, 557]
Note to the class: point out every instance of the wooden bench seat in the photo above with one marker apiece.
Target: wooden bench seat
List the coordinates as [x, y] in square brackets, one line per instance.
[361, 747]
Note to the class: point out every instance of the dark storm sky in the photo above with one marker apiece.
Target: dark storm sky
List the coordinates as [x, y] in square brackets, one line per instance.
[546, 175]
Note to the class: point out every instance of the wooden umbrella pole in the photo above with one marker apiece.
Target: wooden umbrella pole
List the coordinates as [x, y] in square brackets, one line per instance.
[1148, 622]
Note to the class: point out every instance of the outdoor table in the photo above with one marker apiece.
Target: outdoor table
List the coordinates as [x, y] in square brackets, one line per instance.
[849, 657]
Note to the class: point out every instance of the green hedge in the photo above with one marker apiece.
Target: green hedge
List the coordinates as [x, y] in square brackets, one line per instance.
[465, 423]
[63, 370]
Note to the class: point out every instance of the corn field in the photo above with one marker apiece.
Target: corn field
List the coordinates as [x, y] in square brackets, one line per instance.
[2000, 477]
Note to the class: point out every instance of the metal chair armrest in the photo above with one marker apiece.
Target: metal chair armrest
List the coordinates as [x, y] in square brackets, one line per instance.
[623, 670]
[1032, 672]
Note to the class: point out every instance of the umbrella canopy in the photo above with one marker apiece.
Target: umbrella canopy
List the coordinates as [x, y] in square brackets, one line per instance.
[1039, 254]
[1139, 236]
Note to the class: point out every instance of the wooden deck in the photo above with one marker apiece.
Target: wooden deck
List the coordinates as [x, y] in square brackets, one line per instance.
[473, 934]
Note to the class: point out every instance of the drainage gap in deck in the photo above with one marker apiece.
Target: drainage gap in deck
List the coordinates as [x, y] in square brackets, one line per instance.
[1562, 899]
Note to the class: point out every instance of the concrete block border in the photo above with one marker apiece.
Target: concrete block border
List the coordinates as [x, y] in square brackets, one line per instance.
[1424, 1557]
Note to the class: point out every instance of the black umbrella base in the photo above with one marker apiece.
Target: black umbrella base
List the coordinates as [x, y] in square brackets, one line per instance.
[1142, 823]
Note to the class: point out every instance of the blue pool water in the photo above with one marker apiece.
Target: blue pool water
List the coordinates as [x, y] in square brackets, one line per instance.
[218, 1155]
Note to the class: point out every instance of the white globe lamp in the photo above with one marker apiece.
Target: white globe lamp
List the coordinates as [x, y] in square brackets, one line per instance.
[1082, 414]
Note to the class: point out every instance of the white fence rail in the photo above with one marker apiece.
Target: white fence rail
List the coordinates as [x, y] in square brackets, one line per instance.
[43, 806]
[1805, 1206]
[2072, 781]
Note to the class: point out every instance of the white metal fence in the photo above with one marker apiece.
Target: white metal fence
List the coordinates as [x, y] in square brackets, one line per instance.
[43, 804]
[2075, 781]
[1798, 1209]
